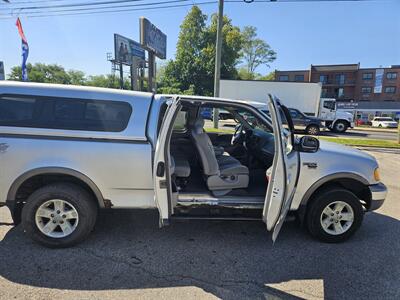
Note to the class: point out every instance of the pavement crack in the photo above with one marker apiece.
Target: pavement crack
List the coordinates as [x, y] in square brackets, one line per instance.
[172, 278]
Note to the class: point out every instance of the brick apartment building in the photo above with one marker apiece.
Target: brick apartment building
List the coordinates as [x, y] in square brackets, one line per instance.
[375, 90]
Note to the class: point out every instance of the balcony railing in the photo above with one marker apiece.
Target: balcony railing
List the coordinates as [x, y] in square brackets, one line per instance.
[339, 82]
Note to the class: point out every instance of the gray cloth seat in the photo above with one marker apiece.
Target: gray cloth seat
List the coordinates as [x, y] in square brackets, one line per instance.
[222, 173]
[180, 166]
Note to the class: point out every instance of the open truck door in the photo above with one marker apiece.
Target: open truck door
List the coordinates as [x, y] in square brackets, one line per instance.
[162, 159]
[285, 169]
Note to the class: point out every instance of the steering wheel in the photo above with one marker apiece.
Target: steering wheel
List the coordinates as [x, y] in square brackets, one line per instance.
[238, 136]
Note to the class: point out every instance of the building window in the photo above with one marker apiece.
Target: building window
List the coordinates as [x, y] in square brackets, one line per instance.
[391, 75]
[339, 78]
[324, 92]
[366, 90]
[299, 78]
[283, 77]
[390, 89]
[323, 79]
[340, 92]
[367, 76]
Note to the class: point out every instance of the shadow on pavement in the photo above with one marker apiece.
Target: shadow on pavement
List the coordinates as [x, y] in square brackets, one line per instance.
[127, 250]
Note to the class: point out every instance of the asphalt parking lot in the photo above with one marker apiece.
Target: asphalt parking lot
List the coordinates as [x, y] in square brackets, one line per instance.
[128, 256]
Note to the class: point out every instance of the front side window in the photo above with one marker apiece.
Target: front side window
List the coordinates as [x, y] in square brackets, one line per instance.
[329, 105]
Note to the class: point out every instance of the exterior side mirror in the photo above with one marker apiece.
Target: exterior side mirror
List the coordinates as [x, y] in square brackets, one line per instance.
[309, 144]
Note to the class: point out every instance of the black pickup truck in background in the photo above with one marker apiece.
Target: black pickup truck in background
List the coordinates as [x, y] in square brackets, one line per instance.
[308, 124]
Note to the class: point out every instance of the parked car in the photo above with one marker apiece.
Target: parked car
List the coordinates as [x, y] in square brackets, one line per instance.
[363, 121]
[68, 151]
[310, 125]
[307, 124]
[385, 122]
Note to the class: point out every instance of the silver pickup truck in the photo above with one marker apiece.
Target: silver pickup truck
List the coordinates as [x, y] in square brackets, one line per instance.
[68, 151]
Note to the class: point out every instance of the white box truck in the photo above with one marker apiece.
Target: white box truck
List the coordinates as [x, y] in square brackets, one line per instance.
[304, 96]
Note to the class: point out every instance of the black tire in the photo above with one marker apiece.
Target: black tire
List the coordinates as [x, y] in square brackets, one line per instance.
[71, 193]
[340, 126]
[312, 129]
[314, 212]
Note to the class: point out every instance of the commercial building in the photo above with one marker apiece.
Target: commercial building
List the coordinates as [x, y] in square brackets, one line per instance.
[368, 91]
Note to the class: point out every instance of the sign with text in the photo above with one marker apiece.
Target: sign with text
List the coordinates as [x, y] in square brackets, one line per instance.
[378, 81]
[346, 105]
[126, 49]
[2, 73]
[152, 38]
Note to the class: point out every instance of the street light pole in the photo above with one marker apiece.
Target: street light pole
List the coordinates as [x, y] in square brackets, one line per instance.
[217, 73]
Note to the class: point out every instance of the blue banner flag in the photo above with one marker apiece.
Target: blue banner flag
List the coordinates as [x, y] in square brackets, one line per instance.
[25, 50]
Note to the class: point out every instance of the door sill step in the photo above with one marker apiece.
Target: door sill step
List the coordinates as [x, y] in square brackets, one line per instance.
[214, 218]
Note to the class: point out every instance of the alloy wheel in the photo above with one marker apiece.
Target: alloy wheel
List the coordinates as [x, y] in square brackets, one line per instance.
[337, 217]
[56, 218]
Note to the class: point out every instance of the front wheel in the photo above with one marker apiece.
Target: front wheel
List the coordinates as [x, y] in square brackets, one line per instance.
[340, 126]
[312, 130]
[59, 215]
[334, 215]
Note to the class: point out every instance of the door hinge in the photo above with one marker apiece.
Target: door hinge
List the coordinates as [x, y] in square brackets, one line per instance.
[163, 184]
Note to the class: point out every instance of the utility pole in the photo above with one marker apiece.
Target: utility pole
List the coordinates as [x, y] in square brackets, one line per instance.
[217, 73]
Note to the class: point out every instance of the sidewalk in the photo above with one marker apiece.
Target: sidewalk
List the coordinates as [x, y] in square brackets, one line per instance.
[375, 129]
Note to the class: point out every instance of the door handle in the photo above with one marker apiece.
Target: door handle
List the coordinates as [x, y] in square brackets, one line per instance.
[160, 169]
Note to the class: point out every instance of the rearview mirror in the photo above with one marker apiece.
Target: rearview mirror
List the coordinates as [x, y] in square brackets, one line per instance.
[309, 144]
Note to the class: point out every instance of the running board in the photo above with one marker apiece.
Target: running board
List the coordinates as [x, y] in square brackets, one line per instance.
[211, 218]
[242, 202]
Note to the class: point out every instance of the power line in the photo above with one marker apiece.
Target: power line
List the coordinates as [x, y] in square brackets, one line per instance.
[94, 9]
[49, 14]
[108, 7]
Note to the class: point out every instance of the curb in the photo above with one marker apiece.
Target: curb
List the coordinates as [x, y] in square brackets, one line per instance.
[374, 130]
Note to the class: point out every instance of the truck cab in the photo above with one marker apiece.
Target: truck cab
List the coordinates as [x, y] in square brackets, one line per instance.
[337, 121]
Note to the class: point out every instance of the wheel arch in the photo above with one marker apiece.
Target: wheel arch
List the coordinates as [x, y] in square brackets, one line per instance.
[356, 184]
[57, 174]
[341, 120]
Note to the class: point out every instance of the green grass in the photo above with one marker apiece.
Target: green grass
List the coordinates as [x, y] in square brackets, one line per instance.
[362, 142]
[219, 130]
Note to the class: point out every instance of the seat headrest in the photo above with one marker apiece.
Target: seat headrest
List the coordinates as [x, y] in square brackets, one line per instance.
[198, 125]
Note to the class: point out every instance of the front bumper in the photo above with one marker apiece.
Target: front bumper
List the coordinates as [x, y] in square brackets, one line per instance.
[378, 195]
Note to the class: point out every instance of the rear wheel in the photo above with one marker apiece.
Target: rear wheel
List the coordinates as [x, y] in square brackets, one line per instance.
[59, 215]
[312, 130]
[340, 126]
[334, 215]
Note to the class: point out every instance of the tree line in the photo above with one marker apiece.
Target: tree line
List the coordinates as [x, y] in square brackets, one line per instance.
[192, 69]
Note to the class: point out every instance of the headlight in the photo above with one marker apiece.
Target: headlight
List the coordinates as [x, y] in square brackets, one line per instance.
[377, 176]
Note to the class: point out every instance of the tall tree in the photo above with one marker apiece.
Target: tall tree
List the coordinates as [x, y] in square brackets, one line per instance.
[192, 70]
[255, 52]
[42, 73]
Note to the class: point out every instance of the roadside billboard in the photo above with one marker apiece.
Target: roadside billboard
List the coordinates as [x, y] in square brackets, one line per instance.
[378, 81]
[126, 49]
[2, 74]
[152, 38]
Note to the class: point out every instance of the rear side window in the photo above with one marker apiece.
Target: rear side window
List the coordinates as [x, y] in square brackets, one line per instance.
[63, 113]
[16, 112]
